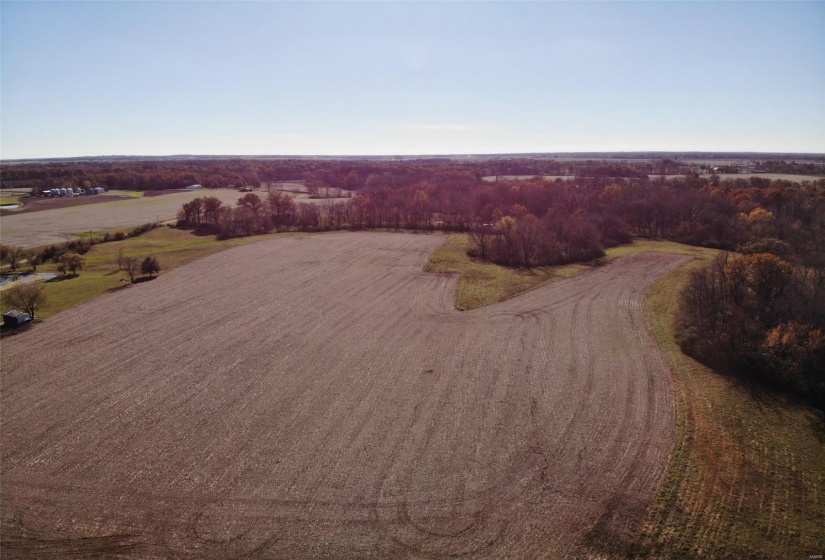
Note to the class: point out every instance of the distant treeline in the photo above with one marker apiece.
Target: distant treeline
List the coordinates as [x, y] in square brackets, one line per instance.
[538, 222]
[791, 167]
[343, 174]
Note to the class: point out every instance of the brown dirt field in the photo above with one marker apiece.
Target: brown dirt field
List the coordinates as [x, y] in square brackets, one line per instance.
[319, 397]
[39, 204]
[35, 229]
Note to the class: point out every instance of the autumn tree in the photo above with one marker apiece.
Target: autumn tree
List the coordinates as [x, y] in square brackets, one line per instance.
[211, 210]
[758, 279]
[29, 297]
[192, 211]
[281, 207]
[254, 214]
[71, 262]
[150, 266]
[482, 236]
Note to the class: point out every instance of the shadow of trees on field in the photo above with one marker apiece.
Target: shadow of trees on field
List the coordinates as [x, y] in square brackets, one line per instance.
[11, 331]
[63, 277]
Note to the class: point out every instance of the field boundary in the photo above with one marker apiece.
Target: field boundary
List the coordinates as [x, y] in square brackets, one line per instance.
[743, 475]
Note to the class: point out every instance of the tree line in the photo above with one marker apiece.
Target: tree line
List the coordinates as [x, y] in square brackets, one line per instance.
[538, 222]
[148, 175]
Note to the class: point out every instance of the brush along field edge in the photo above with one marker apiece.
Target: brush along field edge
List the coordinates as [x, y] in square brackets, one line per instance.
[320, 396]
[748, 469]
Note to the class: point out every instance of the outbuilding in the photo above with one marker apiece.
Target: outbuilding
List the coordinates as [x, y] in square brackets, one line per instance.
[15, 318]
[193, 187]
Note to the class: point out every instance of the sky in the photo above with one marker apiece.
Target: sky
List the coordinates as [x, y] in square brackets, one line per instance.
[380, 78]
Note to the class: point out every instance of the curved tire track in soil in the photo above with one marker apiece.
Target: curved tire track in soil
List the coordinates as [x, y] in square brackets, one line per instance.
[319, 396]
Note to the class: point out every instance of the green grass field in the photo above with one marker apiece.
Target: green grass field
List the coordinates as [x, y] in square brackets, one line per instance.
[10, 199]
[127, 194]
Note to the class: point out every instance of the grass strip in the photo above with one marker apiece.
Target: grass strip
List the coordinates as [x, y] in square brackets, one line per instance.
[746, 475]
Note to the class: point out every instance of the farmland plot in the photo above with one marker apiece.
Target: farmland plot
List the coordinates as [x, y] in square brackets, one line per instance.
[57, 225]
[320, 397]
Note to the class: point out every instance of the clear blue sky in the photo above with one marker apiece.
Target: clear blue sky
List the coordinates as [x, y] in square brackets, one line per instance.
[157, 78]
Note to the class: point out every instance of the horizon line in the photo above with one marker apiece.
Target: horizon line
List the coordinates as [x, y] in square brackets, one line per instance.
[413, 155]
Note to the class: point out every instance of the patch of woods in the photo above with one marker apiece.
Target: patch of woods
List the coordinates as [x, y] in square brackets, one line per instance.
[538, 222]
[761, 318]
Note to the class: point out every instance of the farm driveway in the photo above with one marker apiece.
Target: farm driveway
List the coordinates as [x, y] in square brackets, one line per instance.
[320, 397]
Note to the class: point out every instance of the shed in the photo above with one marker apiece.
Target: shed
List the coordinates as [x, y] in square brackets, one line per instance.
[15, 318]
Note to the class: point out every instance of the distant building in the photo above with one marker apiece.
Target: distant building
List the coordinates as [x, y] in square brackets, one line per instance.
[193, 187]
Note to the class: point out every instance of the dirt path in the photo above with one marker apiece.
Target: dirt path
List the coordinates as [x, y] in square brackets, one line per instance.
[319, 397]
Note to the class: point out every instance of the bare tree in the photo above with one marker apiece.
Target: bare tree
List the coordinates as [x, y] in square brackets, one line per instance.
[131, 266]
[120, 259]
[483, 237]
[13, 256]
[35, 260]
[30, 297]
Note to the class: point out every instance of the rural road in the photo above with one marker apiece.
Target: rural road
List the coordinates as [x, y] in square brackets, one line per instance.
[319, 397]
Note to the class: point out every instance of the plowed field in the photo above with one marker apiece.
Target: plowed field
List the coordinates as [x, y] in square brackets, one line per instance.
[320, 397]
[57, 225]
